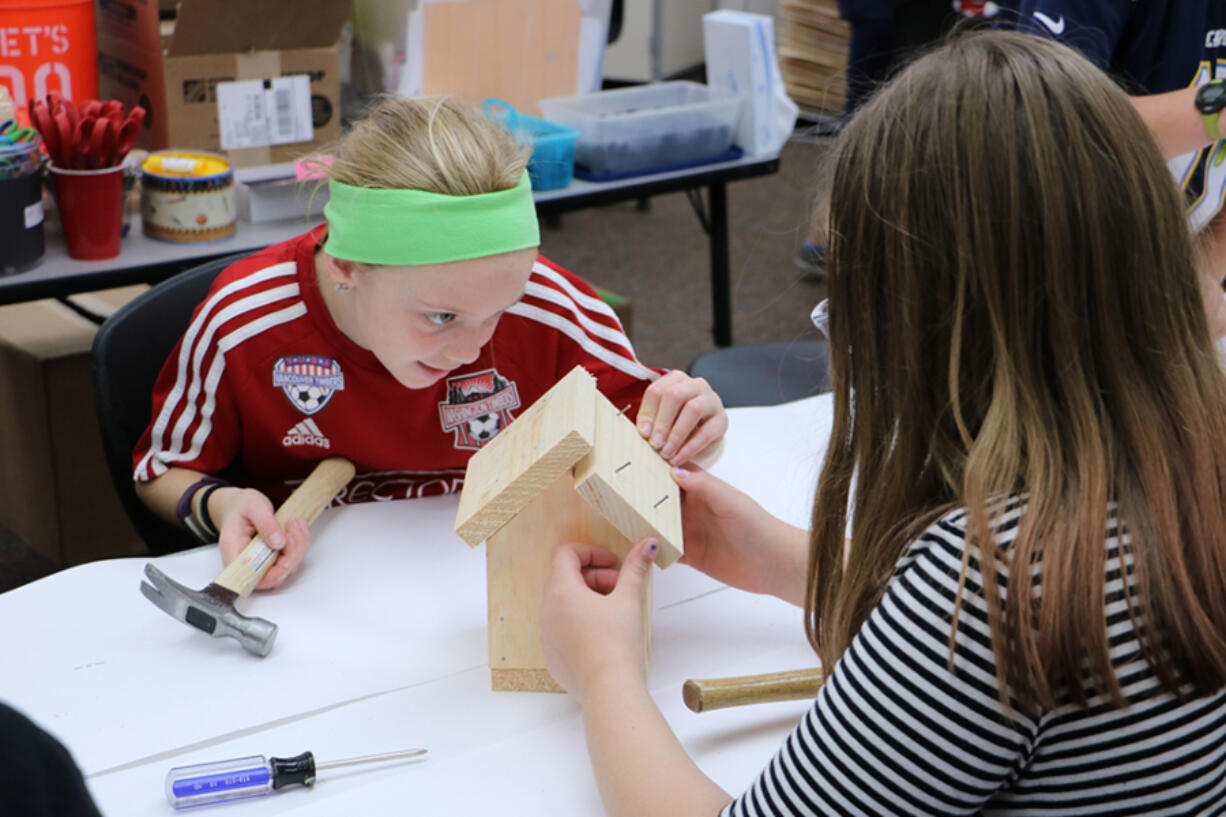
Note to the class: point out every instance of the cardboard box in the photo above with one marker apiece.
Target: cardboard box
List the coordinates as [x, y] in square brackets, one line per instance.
[227, 41]
[235, 40]
[55, 490]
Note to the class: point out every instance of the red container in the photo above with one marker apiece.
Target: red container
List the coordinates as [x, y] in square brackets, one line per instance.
[48, 46]
[91, 210]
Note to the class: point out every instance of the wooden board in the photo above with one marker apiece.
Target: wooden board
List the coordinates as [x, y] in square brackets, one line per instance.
[628, 483]
[807, 79]
[803, 39]
[518, 559]
[530, 454]
[520, 51]
[819, 15]
[812, 45]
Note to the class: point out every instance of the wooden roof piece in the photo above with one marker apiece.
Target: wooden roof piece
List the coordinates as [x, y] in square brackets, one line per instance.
[574, 427]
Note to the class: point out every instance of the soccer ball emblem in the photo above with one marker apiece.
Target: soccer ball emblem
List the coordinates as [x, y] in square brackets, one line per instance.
[311, 398]
[484, 428]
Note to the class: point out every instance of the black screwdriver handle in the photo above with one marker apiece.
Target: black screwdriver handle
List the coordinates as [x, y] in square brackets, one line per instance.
[288, 771]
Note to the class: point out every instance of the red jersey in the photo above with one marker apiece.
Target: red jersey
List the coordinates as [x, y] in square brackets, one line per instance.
[263, 377]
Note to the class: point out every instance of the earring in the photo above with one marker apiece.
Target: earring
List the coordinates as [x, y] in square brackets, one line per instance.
[340, 287]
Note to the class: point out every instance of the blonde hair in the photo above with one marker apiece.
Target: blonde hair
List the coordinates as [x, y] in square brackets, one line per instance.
[435, 144]
[1014, 311]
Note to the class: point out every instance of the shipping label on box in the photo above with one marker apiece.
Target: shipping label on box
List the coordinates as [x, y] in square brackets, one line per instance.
[258, 113]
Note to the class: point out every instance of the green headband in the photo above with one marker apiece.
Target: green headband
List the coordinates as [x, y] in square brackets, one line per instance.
[395, 227]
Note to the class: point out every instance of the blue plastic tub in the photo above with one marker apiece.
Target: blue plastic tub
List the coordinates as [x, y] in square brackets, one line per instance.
[635, 130]
[552, 164]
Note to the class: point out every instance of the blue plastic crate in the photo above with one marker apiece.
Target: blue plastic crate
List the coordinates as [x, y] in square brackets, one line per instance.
[552, 164]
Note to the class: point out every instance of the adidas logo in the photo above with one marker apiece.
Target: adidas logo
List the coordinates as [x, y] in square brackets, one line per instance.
[306, 433]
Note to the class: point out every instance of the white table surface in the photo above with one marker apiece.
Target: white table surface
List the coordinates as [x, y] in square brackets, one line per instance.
[382, 645]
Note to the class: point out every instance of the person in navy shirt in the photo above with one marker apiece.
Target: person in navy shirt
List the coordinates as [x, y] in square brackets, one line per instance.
[872, 48]
[1161, 51]
[887, 34]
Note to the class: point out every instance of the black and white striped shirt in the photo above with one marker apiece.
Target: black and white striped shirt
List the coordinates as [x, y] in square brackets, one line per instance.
[894, 732]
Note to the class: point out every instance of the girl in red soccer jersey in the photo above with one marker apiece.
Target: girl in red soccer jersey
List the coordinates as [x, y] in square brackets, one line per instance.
[403, 334]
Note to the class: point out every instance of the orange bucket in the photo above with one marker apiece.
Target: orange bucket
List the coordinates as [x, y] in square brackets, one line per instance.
[48, 46]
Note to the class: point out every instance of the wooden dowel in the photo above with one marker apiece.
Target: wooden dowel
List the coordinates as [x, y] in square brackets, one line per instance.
[717, 693]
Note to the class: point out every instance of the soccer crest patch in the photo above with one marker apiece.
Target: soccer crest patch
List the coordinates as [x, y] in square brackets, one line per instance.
[309, 381]
[478, 406]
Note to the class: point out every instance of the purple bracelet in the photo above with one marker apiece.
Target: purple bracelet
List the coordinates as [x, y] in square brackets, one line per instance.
[183, 511]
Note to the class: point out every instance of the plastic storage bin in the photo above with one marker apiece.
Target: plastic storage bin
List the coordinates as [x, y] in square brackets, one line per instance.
[647, 127]
[552, 164]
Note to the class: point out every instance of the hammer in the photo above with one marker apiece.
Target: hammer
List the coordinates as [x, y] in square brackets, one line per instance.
[212, 609]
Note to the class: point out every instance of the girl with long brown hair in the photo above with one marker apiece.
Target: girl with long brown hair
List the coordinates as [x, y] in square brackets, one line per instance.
[1029, 453]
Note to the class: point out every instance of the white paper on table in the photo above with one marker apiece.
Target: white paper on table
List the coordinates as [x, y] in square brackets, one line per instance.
[514, 753]
[389, 613]
[388, 598]
[140, 683]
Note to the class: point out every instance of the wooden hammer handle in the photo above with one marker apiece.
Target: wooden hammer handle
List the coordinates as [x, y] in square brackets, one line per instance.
[717, 693]
[308, 499]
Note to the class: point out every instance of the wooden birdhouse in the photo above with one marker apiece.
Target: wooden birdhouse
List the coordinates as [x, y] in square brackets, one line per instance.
[570, 469]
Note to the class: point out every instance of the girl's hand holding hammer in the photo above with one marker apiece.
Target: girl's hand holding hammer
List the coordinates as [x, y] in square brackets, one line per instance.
[240, 514]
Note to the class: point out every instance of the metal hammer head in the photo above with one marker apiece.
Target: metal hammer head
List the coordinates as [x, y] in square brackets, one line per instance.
[211, 610]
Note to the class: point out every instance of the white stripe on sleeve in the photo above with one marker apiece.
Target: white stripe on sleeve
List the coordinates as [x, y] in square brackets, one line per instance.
[575, 332]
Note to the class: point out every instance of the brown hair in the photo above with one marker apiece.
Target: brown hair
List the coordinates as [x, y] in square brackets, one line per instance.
[1014, 311]
[435, 144]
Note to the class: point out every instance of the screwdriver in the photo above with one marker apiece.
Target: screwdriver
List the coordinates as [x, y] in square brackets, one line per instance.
[242, 777]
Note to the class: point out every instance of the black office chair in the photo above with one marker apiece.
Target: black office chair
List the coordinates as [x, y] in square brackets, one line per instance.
[128, 354]
[765, 374]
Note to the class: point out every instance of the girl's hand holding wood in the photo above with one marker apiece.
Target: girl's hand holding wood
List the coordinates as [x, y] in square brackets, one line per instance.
[681, 416]
[592, 616]
[240, 514]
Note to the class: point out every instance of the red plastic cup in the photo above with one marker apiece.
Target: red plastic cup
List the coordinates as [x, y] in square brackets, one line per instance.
[91, 210]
